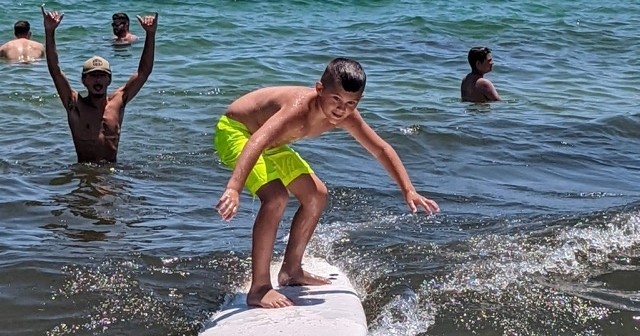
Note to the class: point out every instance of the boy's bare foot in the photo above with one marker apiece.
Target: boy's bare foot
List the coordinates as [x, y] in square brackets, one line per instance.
[301, 278]
[267, 298]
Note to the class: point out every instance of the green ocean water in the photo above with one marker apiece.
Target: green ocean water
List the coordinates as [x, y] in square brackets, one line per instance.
[540, 227]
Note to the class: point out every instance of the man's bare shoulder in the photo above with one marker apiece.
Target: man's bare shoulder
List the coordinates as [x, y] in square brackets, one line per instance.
[8, 45]
[122, 41]
[484, 83]
[17, 43]
[36, 44]
[117, 94]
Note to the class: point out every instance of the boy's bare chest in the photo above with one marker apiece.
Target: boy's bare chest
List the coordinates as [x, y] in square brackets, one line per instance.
[302, 131]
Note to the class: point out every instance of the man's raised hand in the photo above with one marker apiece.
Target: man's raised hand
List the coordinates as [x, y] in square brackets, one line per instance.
[51, 19]
[148, 23]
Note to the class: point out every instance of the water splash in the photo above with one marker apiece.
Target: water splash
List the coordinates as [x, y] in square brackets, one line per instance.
[528, 285]
[403, 315]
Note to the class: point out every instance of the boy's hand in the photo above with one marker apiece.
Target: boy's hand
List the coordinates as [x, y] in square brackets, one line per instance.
[414, 199]
[228, 204]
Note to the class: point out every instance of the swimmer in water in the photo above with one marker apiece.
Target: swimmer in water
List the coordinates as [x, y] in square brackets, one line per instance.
[475, 88]
[22, 48]
[120, 25]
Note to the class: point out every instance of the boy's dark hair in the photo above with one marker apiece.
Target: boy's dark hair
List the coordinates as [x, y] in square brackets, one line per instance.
[21, 28]
[477, 54]
[120, 16]
[347, 72]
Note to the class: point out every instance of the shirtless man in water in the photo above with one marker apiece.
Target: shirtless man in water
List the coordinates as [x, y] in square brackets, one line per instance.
[95, 120]
[474, 87]
[252, 137]
[120, 25]
[22, 48]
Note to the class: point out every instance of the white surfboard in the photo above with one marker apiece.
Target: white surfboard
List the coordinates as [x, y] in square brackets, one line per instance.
[327, 310]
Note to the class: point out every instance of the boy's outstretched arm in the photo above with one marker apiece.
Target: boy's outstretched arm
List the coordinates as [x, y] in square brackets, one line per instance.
[387, 156]
[229, 201]
[51, 22]
[137, 80]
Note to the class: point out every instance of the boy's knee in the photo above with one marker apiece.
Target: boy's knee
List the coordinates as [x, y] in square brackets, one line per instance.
[318, 197]
[276, 199]
[323, 192]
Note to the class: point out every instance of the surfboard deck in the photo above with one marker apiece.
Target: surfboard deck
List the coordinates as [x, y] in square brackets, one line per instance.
[327, 310]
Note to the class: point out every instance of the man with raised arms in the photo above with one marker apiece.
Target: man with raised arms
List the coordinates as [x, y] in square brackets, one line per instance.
[95, 120]
[252, 137]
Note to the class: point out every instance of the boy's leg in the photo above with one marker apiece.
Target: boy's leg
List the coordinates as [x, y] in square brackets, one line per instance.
[273, 201]
[312, 194]
[230, 138]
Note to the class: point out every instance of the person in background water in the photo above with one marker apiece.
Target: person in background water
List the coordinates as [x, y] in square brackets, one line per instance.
[22, 48]
[95, 120]
[120, 25]
[252, 137]
[474, 87]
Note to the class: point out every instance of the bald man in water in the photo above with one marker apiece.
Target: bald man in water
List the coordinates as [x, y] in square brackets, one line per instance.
[22, 48]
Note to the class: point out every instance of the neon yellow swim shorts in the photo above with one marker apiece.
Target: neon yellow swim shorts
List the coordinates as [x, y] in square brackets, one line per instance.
[276, 163]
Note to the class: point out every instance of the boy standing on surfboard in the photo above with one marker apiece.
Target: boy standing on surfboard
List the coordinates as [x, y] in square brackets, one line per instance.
[252, 137]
